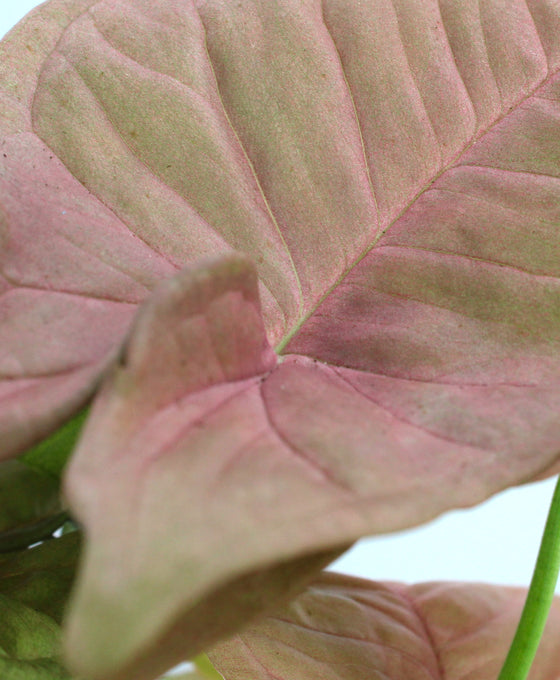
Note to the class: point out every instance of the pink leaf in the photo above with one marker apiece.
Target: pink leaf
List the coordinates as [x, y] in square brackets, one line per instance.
[344, 628]
[183, 403]
[391, 169]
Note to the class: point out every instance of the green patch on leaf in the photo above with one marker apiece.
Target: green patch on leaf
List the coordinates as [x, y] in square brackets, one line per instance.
[52, 454]
[34, 587]
[37, 669]
[206, 668]
[30, 643]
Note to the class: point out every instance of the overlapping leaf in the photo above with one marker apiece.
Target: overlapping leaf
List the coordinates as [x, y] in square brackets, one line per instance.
[199, 560]
[391, 168]
[30, 506]
[34, 586]
[344, 628]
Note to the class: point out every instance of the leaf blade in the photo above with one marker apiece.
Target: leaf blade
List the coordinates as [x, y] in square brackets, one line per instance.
[344, 628]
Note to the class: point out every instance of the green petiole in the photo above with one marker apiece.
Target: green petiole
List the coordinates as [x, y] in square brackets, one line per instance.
[539, 598]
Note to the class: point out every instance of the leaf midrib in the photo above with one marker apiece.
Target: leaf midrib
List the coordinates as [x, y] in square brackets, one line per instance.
[452, 163]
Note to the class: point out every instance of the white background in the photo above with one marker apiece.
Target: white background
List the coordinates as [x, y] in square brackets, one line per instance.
[495, 542]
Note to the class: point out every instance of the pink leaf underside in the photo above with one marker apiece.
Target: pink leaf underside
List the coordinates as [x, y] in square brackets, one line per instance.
[344, 628]
[391, 169]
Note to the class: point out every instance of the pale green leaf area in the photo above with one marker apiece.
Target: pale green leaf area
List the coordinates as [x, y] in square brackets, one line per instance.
[37, 669]
[30, 642]
[26, 633]
[205, 667]
[34, 588]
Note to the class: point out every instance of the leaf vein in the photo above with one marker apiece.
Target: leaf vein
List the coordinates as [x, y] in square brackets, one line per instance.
[255, 175]
[310, 461]
[403, 419]
[472, 258]
[374, 643]
[355, 109]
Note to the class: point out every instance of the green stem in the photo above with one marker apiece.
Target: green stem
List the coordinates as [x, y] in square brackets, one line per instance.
[539, 598]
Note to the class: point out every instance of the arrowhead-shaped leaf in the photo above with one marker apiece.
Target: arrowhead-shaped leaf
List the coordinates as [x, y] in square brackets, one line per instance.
[190, 376]
[391, 169]
[344, 628]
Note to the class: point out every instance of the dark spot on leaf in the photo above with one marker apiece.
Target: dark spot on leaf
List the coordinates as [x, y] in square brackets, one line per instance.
[123, 359]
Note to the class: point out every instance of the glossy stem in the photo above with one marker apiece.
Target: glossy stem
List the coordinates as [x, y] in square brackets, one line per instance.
[539, 598]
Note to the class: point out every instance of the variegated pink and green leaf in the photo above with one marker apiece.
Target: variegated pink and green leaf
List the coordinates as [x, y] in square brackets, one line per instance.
[345, 628]
[301, 258]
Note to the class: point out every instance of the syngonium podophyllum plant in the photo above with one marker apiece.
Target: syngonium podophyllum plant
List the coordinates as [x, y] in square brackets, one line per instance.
[275, 275]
